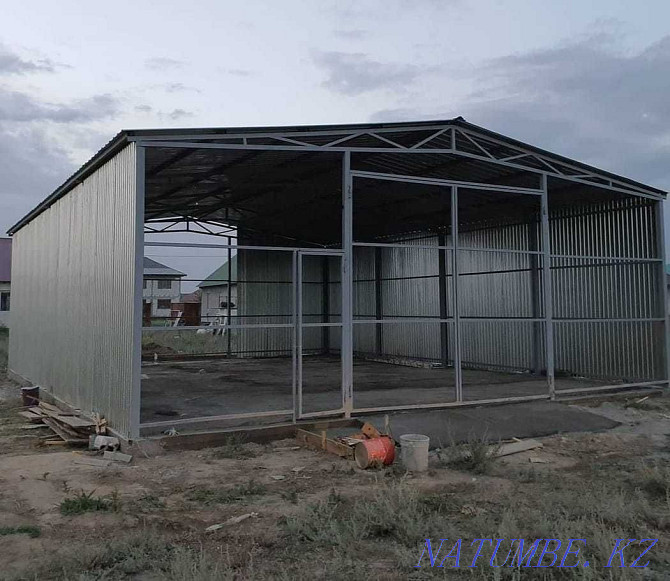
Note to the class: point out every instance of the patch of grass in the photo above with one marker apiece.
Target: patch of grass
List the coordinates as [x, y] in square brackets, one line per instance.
[290, 496]
[83, 502]
[475, 455]
[186, 342]
[226, 496]
[234, 448]
[149, 502]
[32, 531]
[655, 481]
[394, 512]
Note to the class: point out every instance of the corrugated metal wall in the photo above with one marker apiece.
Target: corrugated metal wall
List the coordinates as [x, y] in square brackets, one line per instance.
[608, 289]
[72, 294]
[502, 284]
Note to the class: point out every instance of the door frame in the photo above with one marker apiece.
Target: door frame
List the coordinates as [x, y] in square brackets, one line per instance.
[299, 326]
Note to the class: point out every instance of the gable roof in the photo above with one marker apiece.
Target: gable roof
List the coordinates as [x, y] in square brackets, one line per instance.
[153, 268]
[5, 259]
[240, 134]
[220, 276]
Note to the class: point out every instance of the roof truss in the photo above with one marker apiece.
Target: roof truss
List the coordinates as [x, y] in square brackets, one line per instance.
[451, 139]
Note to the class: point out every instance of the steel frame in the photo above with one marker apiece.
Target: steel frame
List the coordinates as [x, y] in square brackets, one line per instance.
[516, 156]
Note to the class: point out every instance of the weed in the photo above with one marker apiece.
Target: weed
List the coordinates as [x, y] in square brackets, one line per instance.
[290, 496]
[655, 481]
[30, 530]
[149, 502]
[394, 512]
[234, 448]
[83, 502]
[235, 494]
[474, 455]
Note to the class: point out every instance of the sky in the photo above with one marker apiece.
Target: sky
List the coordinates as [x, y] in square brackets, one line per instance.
[589, 80]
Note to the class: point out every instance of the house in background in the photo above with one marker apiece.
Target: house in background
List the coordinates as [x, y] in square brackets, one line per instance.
[215, 294]
[162, 288]
[5, 279]
[186, 311]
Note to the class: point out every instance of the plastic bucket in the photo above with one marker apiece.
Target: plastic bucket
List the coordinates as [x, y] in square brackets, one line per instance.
[374, 452]
[414, 452]
[30, 396]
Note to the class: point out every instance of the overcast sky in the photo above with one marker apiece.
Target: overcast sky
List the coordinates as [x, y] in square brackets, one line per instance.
[590, 80]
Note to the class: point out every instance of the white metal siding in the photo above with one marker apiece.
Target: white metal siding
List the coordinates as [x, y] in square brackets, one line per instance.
[73, 277]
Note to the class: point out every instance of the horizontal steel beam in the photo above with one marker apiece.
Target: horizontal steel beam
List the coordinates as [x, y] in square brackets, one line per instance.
[327, 251]
[451, 404]
[443, 182]
[201, 420]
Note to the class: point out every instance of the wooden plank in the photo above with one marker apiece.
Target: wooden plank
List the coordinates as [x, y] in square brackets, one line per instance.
[63, 434]
[51, 408]
[516, 447]
[370, 431]
[318, 442]
[75, 422]
[259, 435]
[34, 418]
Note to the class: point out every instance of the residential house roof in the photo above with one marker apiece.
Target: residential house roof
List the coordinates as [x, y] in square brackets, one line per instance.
[220, 276]
[153, 268]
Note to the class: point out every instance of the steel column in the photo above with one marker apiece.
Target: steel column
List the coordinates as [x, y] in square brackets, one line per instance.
[229, 298]
[458, 372]
[547, 288]
[536, 296]
[296, 332]
[443, 297]
[347, 287]
[662, 285]
[136, 395]
[379, 311]
[325, 303]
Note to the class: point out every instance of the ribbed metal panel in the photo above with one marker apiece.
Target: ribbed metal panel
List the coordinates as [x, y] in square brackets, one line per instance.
[265, 295]
[607, 289]
[72, 294]
[506, 284]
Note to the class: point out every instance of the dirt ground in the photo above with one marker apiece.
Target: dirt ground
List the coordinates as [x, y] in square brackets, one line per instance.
[316, 516]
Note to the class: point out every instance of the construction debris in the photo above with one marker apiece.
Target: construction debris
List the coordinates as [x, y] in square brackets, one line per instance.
[231, 521]
[68, 427]
[108, 443]
[536, 460]
[343, 446]
[86, 461]
[516, 447]
[117, 457]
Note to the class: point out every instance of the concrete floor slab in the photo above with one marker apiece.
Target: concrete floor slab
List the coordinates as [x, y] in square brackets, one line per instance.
[519, 420]
[214, 387]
